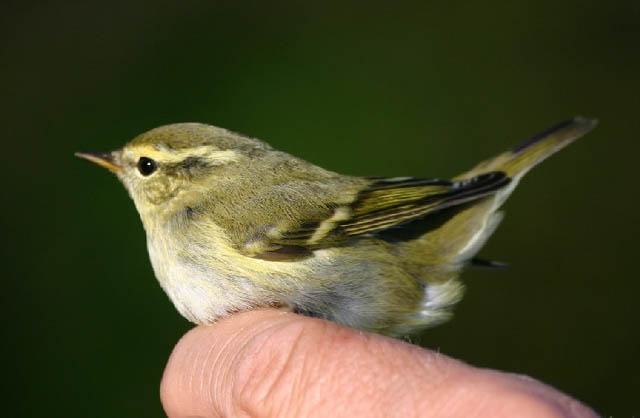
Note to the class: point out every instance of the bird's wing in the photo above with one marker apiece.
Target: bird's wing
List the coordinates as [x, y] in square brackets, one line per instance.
[383, 204]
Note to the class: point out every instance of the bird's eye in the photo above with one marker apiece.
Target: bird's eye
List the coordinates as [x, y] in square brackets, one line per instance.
[146, 166]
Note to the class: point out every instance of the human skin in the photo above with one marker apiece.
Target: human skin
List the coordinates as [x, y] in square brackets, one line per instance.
[269, 363]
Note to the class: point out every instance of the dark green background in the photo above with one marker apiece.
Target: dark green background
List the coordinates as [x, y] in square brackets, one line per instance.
[409, 89]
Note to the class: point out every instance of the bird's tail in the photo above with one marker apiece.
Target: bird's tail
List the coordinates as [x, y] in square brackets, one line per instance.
[466, 228]
[520, 159]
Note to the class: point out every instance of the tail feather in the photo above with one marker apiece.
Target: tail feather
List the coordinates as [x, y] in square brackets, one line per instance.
[459, 239]
[520, 159]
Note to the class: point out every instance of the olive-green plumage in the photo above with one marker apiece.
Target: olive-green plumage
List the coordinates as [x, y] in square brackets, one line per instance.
[234, 224]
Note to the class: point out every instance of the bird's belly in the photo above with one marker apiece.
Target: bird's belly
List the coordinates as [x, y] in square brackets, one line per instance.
[201, 294]
[347, 288]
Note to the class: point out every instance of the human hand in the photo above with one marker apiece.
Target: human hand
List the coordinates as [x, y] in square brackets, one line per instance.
[269, 363]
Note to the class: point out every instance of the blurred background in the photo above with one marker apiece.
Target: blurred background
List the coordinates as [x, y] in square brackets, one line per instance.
[420, 89]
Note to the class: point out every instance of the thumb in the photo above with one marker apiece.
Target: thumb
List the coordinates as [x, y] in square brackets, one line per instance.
[268, 363]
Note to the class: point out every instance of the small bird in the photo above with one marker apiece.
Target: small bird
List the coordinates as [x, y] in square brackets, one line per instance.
[233, 224]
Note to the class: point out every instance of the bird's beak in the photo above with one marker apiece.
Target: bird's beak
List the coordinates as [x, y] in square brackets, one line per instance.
[104, 159]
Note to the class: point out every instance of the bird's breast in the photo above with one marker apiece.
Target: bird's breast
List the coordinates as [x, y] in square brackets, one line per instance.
[201, 292]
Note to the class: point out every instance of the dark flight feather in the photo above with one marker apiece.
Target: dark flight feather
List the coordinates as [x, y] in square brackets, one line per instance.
[391, 203]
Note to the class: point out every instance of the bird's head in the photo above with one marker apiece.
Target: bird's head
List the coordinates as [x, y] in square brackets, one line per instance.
[167, 166]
